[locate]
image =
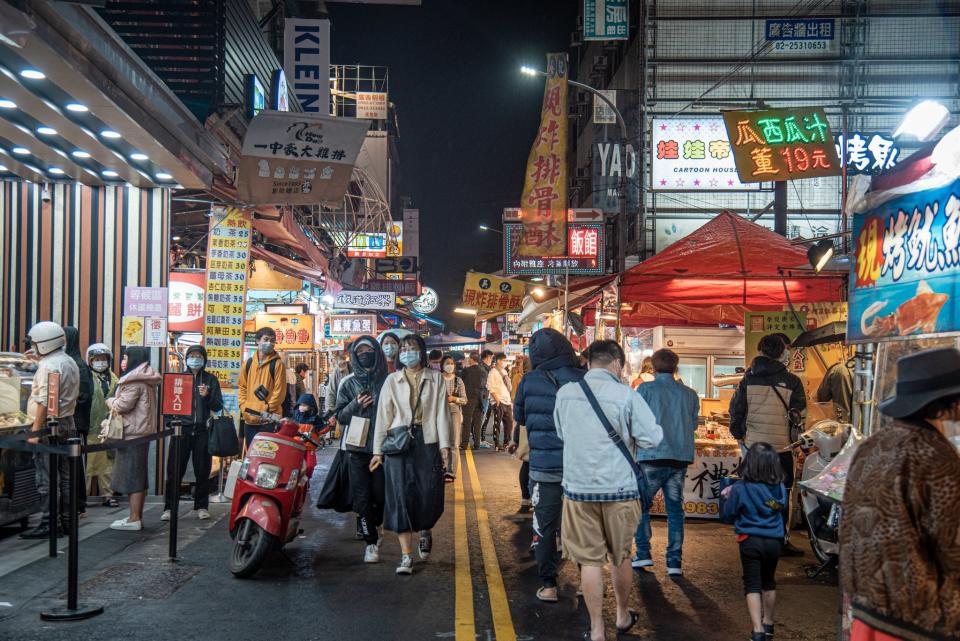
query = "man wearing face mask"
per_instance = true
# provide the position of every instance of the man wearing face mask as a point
(263, 368)
(193, 443)
(767, 401)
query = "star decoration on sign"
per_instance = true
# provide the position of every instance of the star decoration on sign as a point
(663, 127)
(696, 127)
(730, 183)
(696, 183)
(681, 127)
(714, 182)
(663, 181)
(680, 182)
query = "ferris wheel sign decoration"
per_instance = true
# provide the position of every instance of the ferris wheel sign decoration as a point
(427, 302)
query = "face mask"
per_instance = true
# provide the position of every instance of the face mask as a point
(449, 368)
(435, 366)
(266, 348)
(304, 409)
(100, 366)
(367, 359)
(390, 350)
(195, 362)
(409, 359)
(123, 366)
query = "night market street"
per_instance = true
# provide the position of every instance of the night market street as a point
(313, 591)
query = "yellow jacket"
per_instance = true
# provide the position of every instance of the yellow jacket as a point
(253, 374)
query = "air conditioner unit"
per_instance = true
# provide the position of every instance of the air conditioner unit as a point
(601, 63)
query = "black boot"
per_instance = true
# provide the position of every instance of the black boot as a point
(758, 636)
(768, 630)
(42, 531)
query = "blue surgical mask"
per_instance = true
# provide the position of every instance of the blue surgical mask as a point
(389, 350)
(195, 362)
(409, 359)
(266, 348)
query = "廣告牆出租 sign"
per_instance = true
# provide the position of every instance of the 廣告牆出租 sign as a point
(781, 144)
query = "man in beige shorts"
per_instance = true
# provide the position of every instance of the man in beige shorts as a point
(601, 507)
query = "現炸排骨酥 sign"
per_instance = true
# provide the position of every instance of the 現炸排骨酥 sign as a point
(781, 144)
(543, 206)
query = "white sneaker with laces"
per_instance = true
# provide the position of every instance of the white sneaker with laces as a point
(371, 554)
(165, 516)
(124, 524)
(203, 515)
(406, 565)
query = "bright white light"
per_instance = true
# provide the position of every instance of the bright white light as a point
(465, 311)
(109, 173)
(946, 155)
(164, 176)
(3, 168)
(139, 156)
(176, 238)
(32, 74)
(328, 299)
(528, 71)
(76, 107)
(6, 103)
(484, 227)
(109, 133)
(47, 131)
(23, 151)
(55, 171)
(537, 279)
(923, 121)
(80, 153)
(538, 292)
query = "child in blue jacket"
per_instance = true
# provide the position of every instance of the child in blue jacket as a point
(755, 505)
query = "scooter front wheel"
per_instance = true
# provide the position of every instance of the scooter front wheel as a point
(250, 548)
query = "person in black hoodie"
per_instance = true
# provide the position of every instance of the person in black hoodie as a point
(81, 417)
(357, 397)
(193, 444)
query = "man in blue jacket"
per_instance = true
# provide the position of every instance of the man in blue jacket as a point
(555, 363)
(677, 408)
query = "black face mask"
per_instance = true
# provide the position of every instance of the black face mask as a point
(367, 359)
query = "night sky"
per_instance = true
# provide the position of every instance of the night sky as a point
(466, 115)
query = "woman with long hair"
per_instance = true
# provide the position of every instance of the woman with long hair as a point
(456, 399)
(413, 420)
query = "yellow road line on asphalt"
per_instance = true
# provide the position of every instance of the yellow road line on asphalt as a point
(464, 626)
(499, 607)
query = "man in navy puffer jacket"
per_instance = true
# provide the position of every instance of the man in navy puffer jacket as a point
(555, 364)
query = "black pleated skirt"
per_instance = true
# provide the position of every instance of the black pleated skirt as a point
(414, 487)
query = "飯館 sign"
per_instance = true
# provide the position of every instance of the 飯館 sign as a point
(905, 276)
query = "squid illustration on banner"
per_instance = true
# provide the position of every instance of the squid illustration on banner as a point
(543, 207)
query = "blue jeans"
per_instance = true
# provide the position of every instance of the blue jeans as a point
(670, 480)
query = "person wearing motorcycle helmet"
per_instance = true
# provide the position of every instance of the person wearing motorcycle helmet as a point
(100, 464)
(48, 341)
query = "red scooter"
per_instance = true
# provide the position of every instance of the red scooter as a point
(268, 498)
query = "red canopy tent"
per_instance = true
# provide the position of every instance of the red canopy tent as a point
(723, 269)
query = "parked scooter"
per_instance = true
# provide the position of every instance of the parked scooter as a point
(268, 498)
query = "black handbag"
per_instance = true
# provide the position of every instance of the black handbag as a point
(642, 488)
(222, 439)
(400, 438)
(335, 493)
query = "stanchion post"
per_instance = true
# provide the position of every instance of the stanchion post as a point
(53, 505)
(74, 611)
(174, 513)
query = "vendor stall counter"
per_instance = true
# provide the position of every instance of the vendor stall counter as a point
(18, 490)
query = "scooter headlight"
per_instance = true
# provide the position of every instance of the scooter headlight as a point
(267, 476)
(292, 483)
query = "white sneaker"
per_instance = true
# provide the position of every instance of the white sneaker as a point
(372, 554)
(165, 516)
(124, 524)
(674, 572)
(637, 562)
(203, 515)
(406, 565)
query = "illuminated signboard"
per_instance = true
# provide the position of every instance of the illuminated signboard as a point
(255, 94)
(692, 154)
(869, 153)
(781, 144)
(367, 245)
(278, 91)
(585, 252)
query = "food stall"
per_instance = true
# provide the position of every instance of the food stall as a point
(18, 490)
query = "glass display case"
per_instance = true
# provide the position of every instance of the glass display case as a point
(18, 491)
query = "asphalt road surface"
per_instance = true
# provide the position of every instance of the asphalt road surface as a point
(479, 583)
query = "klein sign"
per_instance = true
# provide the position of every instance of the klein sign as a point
(306, 61)
(178, 394)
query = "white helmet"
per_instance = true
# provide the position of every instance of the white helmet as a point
(47, 337)
(99, 349)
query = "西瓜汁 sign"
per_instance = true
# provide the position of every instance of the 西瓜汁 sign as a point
(543, 205)
(905, 273)
(372, 105)
(294, 332)
(868, 153)
(584, 255)
(489, 293)
(692, 154)
(353, 325)
(606, 19)
(178, 394)
(347, 299)
(781, 144)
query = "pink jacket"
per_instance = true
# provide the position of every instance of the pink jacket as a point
(136, 401)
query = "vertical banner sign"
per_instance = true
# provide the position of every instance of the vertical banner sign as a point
(606, 19)
(782, 144)
(178, 394)
(306, 61)
(411, 232)
(228, 259)
(543, 207)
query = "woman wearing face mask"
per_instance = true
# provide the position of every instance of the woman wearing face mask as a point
(414, 398)
(900, 528)
(357, 398)
(193, 443)
(100, 464)
(456, 399)
(391, 350)
(135, 401)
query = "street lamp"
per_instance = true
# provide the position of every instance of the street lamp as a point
(485, 228)
(622, 219)
(465, 311)
(924, 121)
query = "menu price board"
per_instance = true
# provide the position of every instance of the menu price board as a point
(782, 144)
(228, 260)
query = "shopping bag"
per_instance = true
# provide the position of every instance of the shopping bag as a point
(357, 432)
(111, 429)
(222, 439)
(335, 493)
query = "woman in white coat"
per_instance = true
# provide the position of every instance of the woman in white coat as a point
(414, 399)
